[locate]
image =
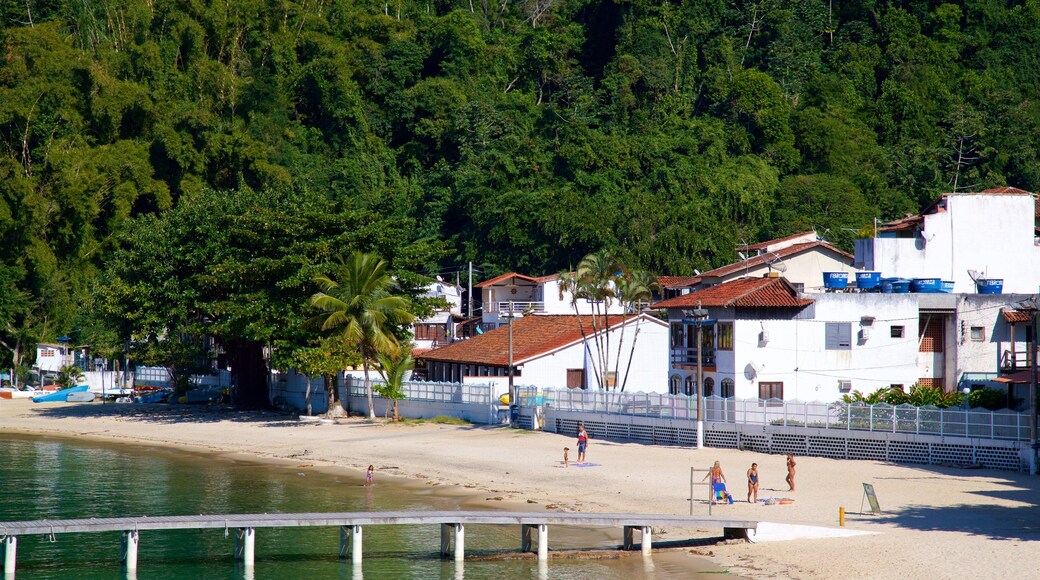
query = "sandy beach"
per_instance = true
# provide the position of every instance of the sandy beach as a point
(937, 522)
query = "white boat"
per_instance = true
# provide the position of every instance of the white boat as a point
(12, 393)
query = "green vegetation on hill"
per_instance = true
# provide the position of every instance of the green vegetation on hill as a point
(521, 134)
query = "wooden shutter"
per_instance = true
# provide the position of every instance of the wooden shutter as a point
(932, 336)
(575, 378)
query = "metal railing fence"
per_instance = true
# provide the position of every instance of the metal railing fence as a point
(881, 417)
(427, 391)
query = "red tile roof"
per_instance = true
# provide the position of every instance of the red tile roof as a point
(763, 259)
(678, 281)
(504, 277)
(532, 336)
(1017, 316)
(767, 243)
(744, 293)
(1005, 191)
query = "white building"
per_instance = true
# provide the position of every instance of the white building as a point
(800, 258)
(991, 234)
(440, 328)
(529, 295)
(550, 351)
(762, 338)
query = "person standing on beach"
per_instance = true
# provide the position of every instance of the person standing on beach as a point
(790, 471)
(752, 483)
(368, 475)
(716, 474)
(583, 442)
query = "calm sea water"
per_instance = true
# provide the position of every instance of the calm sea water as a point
(49, 479)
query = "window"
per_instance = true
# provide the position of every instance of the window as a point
(844, 386)
(725, 336)
(674, 385)
(932, 335)
(839, 336)
(677, 335)
(575, 378)
(768, 390)
(691, 383)
(897, 331)
(709, 386)
(727, 388)
(978, 334)
(611, 379)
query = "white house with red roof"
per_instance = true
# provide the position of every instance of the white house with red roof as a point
(991, 234)
(559, 351)
(529, 295)
(800, 258)
(762, 338)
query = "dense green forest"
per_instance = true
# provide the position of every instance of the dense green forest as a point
(183, 163)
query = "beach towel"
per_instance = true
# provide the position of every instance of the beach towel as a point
(721, 494)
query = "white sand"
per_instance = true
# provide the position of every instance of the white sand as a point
(937, 523)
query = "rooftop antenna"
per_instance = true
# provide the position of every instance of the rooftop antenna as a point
(774, 262)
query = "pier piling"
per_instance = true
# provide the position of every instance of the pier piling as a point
(245, 546)
(129, 549)
(10, 554)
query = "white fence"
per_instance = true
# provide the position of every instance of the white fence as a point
(956, 422)
(426, 400)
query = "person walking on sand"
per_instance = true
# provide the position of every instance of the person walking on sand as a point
(583, 442)
(752, 483)
(790, 471)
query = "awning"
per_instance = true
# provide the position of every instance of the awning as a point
(1016, 377)
(695, 322)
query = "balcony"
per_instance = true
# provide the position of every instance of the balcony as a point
(502, 308)
(688, 356)
(1015, 360)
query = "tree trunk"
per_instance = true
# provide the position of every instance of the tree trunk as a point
(248, 373)
(397, 418)
(307, 397)
(332, 406)
(368, 390)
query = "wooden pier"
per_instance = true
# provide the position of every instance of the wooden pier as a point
(453, 525)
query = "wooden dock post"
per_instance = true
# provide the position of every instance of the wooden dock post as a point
(445, 539)
(10, 555)
(245, 546)
(129, 549)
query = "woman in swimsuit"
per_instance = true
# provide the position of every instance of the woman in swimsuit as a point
(790, 471)
(752, 482)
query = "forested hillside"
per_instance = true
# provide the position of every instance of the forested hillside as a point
(519, 134)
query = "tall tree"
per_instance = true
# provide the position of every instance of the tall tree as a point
(357, 303)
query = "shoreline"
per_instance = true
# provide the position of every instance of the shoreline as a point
(937, 522)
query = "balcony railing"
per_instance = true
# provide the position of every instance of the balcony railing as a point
(688, 356)
(518, 307)
(1013, 360)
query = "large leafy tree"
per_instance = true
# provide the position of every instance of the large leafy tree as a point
(358, 304)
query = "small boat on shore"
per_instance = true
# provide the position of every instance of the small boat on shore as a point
(61, 396)
(12, 393)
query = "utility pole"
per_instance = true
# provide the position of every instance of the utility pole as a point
(1034, 379)
(697, 316)
(469, 292)
(514, 404)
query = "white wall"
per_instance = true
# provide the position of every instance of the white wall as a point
(795, 352)
(993, 234)
(983, 310)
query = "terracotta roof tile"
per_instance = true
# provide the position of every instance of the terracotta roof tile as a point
(761, 260)
(1004, 191)
(743, 292)
(678, 281)
(532, 336)
(505, 277)
(767, 243)
(1017, 316)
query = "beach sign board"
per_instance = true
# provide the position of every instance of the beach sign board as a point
(868, 491)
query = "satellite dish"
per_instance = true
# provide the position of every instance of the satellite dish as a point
(751, 371)
(773, 262)
(975, 275)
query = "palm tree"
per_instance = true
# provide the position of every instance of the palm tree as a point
(635, 291)
(393, 368)
(594, 280)
(360, 307)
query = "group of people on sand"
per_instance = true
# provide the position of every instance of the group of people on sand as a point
(752, 477)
